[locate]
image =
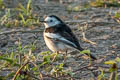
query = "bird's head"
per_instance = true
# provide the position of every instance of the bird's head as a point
(51, 21)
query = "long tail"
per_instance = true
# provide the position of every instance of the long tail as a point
(90, 55)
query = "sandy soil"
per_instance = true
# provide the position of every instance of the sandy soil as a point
(101, 29)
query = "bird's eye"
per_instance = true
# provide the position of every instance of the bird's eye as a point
(51, 20)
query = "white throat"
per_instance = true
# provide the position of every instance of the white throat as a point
(51, 24)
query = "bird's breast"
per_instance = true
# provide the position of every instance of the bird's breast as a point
(55, 45)
(50, 30)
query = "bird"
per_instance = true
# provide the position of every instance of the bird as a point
(59, 37)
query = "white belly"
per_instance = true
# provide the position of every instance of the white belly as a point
(55, 45)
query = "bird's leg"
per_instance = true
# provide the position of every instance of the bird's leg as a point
(54, 57)
(65, 55)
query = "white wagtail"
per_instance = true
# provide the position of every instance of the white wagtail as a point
(59, 37)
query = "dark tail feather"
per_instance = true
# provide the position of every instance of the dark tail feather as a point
(90, 55)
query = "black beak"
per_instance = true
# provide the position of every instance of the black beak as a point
(43, 21)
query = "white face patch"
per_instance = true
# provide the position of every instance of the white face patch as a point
(51, 21)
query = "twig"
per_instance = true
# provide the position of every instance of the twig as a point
(86, 40)
(42, 74)
(45, 75)
(28, 73)
(50, 76)
(22, 31)
(112, 76)
(18, 71)
(74, 21)
(82, 68)
(14, 78)
(38, 69)
(89, 22)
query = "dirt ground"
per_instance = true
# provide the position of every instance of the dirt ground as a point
(101, 29)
